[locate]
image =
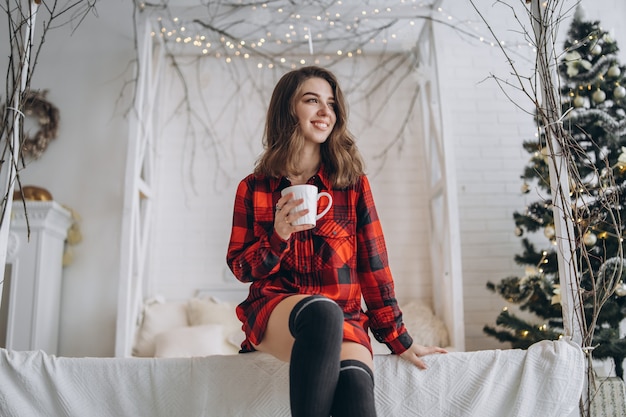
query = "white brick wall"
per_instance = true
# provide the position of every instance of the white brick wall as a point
(194, 205)
(487, 131)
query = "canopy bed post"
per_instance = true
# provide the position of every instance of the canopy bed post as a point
(138, 190)
(559, 177)
(444, 225)
(550, 112)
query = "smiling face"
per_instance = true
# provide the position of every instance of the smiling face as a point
(315, 110)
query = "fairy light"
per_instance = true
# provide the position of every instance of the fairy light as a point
(331, 23)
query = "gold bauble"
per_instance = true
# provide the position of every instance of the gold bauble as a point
(32, 193)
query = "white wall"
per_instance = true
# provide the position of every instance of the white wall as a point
(84, 167)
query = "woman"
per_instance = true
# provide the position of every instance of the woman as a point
(304, 303)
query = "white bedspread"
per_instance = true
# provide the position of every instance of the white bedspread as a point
(546, 380)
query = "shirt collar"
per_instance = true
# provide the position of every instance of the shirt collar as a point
(320, 179)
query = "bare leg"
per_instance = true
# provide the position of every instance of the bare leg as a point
(278, 340)
(356, 351)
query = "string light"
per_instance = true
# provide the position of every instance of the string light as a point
(360, 23)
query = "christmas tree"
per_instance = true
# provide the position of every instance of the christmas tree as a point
(594, 107)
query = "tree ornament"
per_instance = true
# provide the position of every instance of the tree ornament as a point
(572, 59)
(579, 101)
(603, 235)
(598, 96)
(525, 188)
(519, 231)
(614, 71)
(590, 239)
(549, 231)
(621, 161)
(596, 49)
(619, 92)
(620, 289)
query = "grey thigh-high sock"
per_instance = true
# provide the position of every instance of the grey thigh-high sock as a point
(316, 322)
(354, 396)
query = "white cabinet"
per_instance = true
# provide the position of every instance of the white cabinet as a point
(33, 278)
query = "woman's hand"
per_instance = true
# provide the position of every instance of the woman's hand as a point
(283, 218)
(414, 353)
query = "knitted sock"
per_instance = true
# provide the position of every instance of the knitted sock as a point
(354, 396)
(316, 323)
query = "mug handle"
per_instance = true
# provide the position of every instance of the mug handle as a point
(330, 203)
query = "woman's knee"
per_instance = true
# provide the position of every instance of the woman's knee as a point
(317, 314)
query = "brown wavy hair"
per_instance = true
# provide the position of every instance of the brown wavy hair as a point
(283, 140)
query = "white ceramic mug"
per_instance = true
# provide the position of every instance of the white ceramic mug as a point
(311, 197)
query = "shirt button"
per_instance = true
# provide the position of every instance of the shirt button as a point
(334, 232)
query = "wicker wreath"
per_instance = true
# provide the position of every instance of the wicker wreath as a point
(47, 117)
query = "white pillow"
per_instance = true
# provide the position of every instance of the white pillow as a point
(212, 311)
(158, 317)
(187, 342)
(425, 328)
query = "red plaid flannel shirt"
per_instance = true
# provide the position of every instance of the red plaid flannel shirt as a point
(343, 258)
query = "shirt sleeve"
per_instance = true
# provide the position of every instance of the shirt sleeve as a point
(375, 276)
(253, 252)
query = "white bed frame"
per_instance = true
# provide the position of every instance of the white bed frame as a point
(546, 380)
(445, 252)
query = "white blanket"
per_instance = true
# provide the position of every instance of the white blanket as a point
(545, 380)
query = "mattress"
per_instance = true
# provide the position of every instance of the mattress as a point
(545, 380)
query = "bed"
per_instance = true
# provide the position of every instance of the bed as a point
(185, 363)
(545, 380)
